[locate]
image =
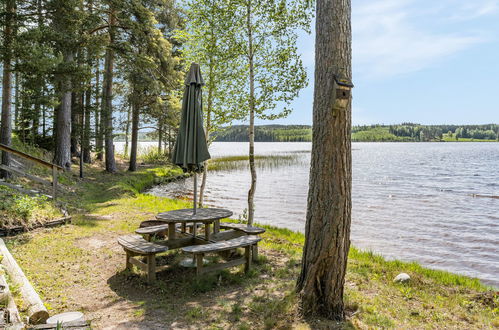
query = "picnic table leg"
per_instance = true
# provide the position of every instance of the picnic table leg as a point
(171, 230)
(184, 227)
(194, 229)
(216, 226)
(128, 264)
(254, 252)
(247, 255)
(199, 263)
(207, 228)
(151, 268)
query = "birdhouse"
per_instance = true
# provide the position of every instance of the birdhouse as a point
(343, 88)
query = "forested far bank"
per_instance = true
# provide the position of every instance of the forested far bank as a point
(406, 132)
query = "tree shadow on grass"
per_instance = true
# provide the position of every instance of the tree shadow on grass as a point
(180, 299)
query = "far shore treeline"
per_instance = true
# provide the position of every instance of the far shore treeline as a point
(405, 132)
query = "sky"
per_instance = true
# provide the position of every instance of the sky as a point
(422, 61)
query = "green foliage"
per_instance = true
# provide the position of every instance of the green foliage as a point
(17, 209)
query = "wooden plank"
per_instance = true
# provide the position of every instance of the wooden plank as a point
(29, 176)
(247, 256)
(137, 244)
(171, 231)
(220, 266)
(207, 229)
(136, 262)
(226, 235)
(152, 230)
(223, 245)
(54, 182)
(199, 263)
(242, 227)
(151, 268)
(32, 158)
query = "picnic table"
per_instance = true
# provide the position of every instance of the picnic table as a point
(205, 216)
(235, 236)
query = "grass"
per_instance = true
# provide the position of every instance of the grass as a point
(80, 267)
(230, 163)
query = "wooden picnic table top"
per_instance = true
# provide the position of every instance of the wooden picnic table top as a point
(206, 215)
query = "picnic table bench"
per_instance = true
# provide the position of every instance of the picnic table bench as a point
(135, 245)
(248, 230)
(148, 232)
(199, 251)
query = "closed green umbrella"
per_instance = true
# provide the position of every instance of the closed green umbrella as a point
(191, 149)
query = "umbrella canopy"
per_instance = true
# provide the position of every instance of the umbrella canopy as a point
(191, 149)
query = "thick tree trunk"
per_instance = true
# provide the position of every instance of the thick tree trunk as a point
(62, 155)
(252, 190)
(75, 123)
(6, 125)
(135, 134)
(107, 105)
(327, 229)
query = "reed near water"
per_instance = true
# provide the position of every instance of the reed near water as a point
(230, 163)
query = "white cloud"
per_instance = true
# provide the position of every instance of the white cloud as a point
(472, 10)
(390, 38)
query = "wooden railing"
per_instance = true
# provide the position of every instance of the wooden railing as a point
(39, 161)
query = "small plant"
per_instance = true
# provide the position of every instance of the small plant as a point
(243, 218)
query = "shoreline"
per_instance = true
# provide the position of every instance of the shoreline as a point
(115, 205)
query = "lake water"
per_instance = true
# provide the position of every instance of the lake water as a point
(411, 201)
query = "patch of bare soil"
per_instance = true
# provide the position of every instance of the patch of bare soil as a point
(117, 299)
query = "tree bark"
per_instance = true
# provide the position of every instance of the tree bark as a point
(160, 135)
(135, 132)
(99, 140)
(87, 158)
(6, 125)
(62, 154)
(127, 129)
(251, 192)
(107, 105)
(327, 229)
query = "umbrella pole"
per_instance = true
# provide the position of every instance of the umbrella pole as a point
(195, 191)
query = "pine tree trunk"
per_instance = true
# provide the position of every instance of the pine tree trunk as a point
(107, 105)
(99, 140)
(251, 192)
(160, 135)
(87, 158)
(135, 133)
(75, 125)
(127, 129)
(6, 125)
(327, 228)
(62, 155)
(16, 101)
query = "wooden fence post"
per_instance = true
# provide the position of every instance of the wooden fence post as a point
(54, 183)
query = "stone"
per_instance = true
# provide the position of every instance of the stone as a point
(402, 278)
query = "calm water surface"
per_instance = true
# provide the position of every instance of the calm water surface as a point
(411, 201)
